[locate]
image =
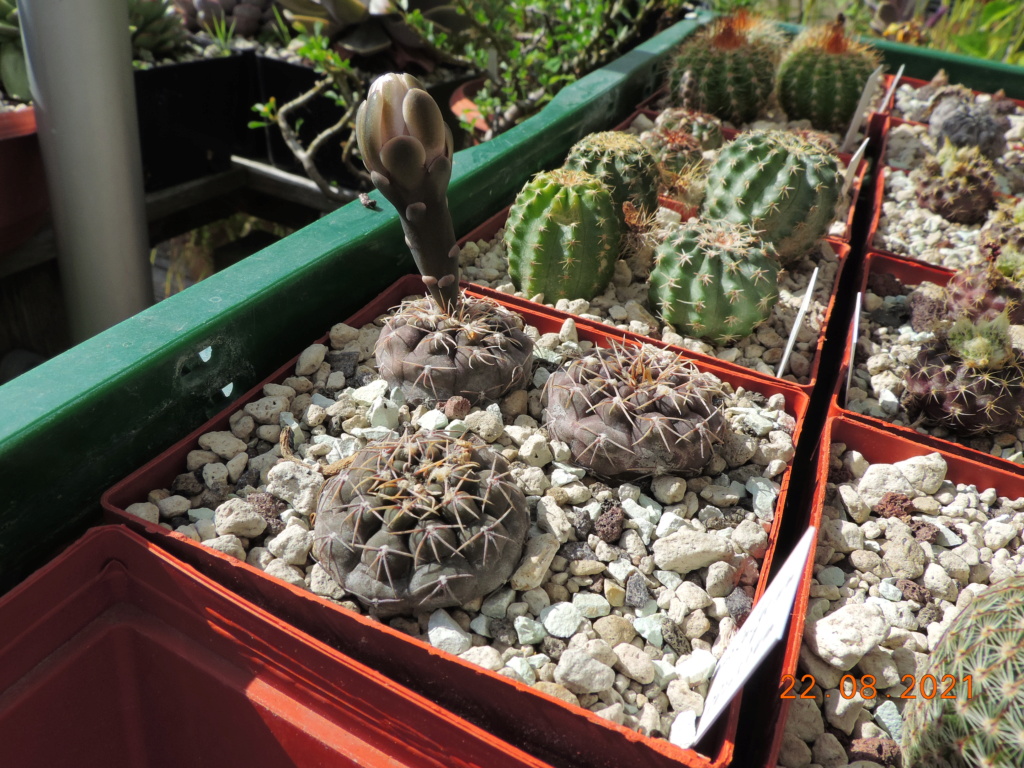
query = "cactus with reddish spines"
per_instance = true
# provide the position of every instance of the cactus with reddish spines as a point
(706, 128)
(675, 151)
(822, 76)
(958, 184)
(714, 280)
(563, 236)
(725, 69)
(784, 187)
(983, 292)
(423, 522)
(1003, 230)
(631, 412)
(981, 721)
(970, 379)
(623, 163)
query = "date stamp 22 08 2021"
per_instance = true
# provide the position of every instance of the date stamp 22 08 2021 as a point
(865, 686)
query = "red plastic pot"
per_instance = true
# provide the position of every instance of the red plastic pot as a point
(877, 446)
(24, 202)
(543, 725)
(887, 107)
(117, 654)
(465, 109)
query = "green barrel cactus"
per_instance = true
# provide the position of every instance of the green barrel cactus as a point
(714, 280)
(724, 70)
(980, 662)
(675, 151)
(563, 235)
(707, 129)
(622, 162)
(822, 76)
(785, 187)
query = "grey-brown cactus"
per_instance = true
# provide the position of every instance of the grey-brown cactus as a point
(423, 522)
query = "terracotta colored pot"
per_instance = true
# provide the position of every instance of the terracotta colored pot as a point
(24, 203)
(464, 108)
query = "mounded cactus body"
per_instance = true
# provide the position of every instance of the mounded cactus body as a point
(562, 235)
(969, 380)
(707, 129)
(1004, 230)
(675, 151)
(983, 723)
(630, 412)
(623, 163)
(958, 184)
(822, 76)
(782, 186)
(966, 124)
(724, 70)
(479, 351)
(984, 292)
(423, 522)
(714, 280)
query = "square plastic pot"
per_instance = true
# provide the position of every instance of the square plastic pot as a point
(888, 108)
(541, 724)
(877, 446)
(117, 654)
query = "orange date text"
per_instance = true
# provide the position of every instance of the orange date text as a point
(866, 686)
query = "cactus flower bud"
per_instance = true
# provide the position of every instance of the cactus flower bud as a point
(407, 147)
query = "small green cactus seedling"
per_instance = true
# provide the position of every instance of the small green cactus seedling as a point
(784, 187)
(969, 380)
(981, 722)
(958, 184)
(714, 280)
(563, 236)
(822, 76)
(707, 129)
(725, 70)
(622, 162)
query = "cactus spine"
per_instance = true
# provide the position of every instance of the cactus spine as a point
(714, 280)
(563, 235)
(622, 162)
(707, 129)
(958, 184)
(784, 187)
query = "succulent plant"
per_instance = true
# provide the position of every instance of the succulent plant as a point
(630, 412)
(970, 379)
(13, 67)
(965, 124)
(623, 163)
(157, 31)
(983, 723)
(439, 347)
(707, 129)
(784, 187)
(725, 69)
(983, 292)
(423, 522)
(958, 184)
(245, 18)
(1003, 230)
(714, 280)
(563, 235)
(674, 150)
(822, 76)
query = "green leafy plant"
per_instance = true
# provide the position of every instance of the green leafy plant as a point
(992, 29)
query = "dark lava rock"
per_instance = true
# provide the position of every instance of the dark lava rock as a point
(577, 550)
(457, 407)
(913, 591)
(502, 631)
(343, 361)
(883, 284)
(928, 615)
(581, 523)
(553, 647)
(677, 640)
(269, 507)
(739, 604)
(924, 531)
(893, 505)
(188, 484)
(608, 526)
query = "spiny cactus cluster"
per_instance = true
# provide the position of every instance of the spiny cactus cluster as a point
(674, 151)
(822, 76)
(785, 187)
(423, 522)
(966, 124)
(621, 162)
(727, 69)
(707, 129)
(479, 351)
(630, 412)
(562, 235)
(970, 379)
(983, 292)
(958, 184)
(1003, 231)
(983, 652)
(714, 280)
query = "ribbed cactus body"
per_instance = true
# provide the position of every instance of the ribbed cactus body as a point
(784, 187)
(725, 71)
(675, 151)
(1003, 231)
(707, 129)
(623, 163)
(822, 76)
(958, 184)
(563, 235)
(714, 280)
(980, 722)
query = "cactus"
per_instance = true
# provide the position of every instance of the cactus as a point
(966, 124)
(563, 235)
(631, 412)
(623, 163)
(1003, 230)
(969, 380)
(784, 187)
(438, 347)
(724, 69)
(707, 129)
(714, 280)
(674, 151)
(982, 722)
(156, 29)
(822, 76)
(422, 522)
(982, 292)
(244, 19)
(958, 184)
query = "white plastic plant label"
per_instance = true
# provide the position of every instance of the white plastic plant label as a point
(862, 106)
